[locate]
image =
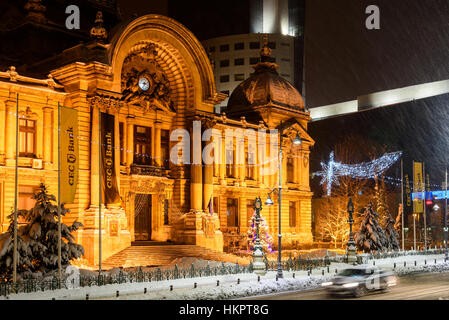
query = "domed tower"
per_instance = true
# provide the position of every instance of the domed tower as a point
(270, 101)
(266, 93)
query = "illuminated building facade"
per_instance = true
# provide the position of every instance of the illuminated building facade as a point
(152, 77)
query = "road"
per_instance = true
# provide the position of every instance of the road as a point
(416, 287)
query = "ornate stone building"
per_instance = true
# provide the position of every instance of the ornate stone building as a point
(154, 77)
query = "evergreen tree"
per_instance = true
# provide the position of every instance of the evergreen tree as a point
(391, 234)
(371, 236)
(266, 240)
(37, 240)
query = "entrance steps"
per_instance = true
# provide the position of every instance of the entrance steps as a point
(156, 255)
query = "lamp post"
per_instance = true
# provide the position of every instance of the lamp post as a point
(445, 219)
(296, 141)
(259, 265)
(351, 248)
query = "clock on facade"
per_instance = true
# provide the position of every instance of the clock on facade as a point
(144, 84)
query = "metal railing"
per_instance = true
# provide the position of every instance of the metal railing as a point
(34, 285)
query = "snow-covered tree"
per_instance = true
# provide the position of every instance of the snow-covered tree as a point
(37, 240)
(266, 240)
(391, 234)
(371, 236)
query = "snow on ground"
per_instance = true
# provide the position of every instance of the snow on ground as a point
(183, 289)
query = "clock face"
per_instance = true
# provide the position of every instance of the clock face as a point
(144, 84)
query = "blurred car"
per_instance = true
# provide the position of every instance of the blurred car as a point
(359, 280)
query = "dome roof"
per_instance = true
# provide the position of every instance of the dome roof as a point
(264, 87)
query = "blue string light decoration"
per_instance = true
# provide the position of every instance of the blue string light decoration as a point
(365, 170)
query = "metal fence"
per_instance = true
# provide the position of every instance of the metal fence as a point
(34, 285)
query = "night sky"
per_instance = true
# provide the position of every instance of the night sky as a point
(344, 59)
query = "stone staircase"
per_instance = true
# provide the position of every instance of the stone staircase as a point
(164, 255)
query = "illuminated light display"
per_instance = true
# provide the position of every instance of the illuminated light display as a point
(365, 170)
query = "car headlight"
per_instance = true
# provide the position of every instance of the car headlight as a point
(351, 285)
(326, 284)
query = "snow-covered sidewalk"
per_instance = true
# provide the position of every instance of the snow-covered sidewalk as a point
(232, 286)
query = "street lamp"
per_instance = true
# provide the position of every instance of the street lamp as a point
(296, 141)
(351, 248)
(259, 265)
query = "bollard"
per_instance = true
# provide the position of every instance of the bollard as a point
(415, 263)
(435, 261)
(425, 262)
(276, 278)
(405, 263)
(327, 269)
(171, 287)
(308, 273)
(87, 296)
(394, 265)
(293, 275)
(374, 262)
(258, 278)
(218, 283)
(336, 271)
(117, 294)
(238, 281)
(194, 285)
(145, 290)
(322, 273)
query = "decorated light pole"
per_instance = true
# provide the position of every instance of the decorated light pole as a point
(259, 265)
(351, 248)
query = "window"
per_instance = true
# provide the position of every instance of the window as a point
(254, 60)
(249, 212)
(239, 77)
(272, 45)
(290, 170)
(165, 148)
(224, 78)
(122, 144)
(25, 201)
(250, 165)
(166, 216)
(239, 46)
(230, 163)
(292, 214)
(224, 47)
(212, 49)
(224, 63)
(254, 45)
(142, 145)
(239, 62)
(215, 205)
(232, 213)
(27, 139)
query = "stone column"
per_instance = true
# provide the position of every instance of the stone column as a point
(95, 158)
(40, 136)
(240, 150)
(10, 132)
(284, 168)
(196, 174)
(130, 143)
(2, 131)
(153, 144)
(208, 182)
(48, 128)
(157, 144)
(223, 161)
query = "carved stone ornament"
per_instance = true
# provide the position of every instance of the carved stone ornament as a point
(141, 67)
(105, 104)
